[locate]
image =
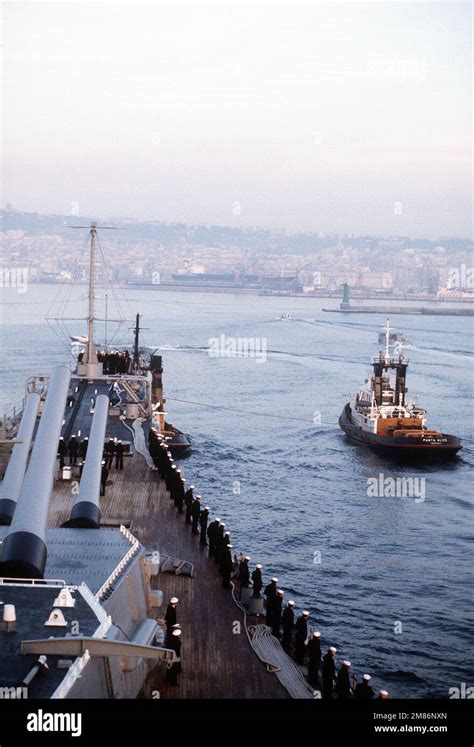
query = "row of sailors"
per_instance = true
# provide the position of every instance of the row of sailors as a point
(114, 362)
(280, 620)
(77, 450)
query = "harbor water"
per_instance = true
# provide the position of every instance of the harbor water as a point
(387, 579)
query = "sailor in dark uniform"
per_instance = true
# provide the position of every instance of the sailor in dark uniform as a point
(195, 513)
(383, 695)
(314, 658)
(257, 580)
(301, 636)
(363, 690)
(188, 502)
(83, 447)
(174, 670)
(203, 517)
(270, 593)
(176, 487)
(222, 545)
(109, 452)
(180, 491)
(220, 531)
(226, 567)
(170, 478)
(211, 535)
(276, 614)
(73, 448)
(62, 451)
(170, 471)
(288, 621)
(343, 682)
(329, 672)
(171, 617)
(222, 549)
(104, 473)
(244, 572)
(119, 449)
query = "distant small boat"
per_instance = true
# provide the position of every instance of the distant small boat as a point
(286, 316)
(82, 339)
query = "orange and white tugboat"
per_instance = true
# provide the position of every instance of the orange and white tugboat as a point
(379, 415)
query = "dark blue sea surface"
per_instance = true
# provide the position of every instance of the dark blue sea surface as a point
(393, 588)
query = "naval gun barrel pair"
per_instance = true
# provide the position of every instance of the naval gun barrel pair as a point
(25, 492)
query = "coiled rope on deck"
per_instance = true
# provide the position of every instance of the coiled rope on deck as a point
(270, 652)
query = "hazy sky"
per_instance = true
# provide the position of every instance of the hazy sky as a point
(324, 116)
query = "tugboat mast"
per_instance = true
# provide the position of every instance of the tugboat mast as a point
(387, 340)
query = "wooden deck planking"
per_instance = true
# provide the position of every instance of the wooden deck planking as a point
(216, 662)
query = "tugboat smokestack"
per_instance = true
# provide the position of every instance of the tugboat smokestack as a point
(24, 549)
(15, 472)
(86, 511)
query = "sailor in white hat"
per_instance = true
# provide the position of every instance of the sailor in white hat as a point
(271, 595)
(175, 669)
(188, 502)
(203, 517)
(276, 615)
(363, 690)
(343, 682)
(257, 582)
(195, 514)
(329, 672)
(288, 621)
(104, 473)
(314, 658)
(171, 617)
(244, 573)
(226, 564)
(301, 637)
(212, 535)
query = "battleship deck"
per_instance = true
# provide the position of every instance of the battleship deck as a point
(217, 663)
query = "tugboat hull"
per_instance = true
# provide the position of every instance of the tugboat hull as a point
(178, 442)
(421, 446)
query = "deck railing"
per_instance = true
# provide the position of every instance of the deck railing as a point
(120, 567)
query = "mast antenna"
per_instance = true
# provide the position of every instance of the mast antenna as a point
(91, 365)
(387, 340)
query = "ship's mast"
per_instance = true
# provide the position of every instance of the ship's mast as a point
(90, 355)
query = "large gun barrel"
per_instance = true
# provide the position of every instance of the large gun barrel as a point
(86, 510)
(15, 472)
(24, 549)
